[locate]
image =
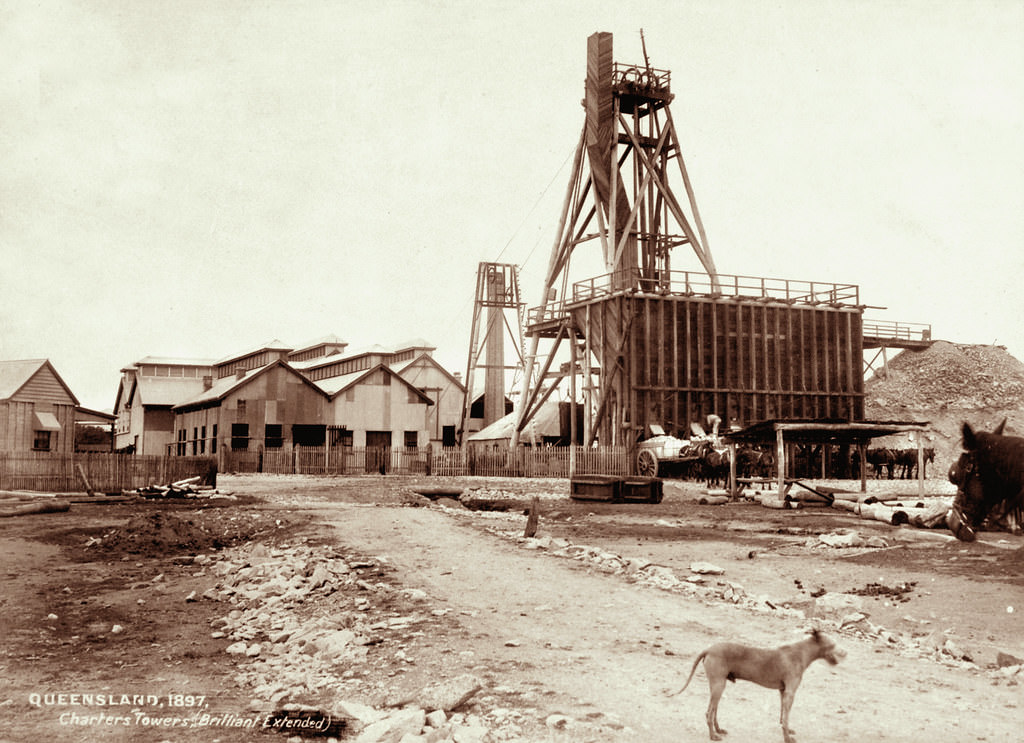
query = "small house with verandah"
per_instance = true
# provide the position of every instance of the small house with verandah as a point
(37, 409)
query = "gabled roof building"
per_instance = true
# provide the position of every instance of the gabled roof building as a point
(37, 409)
(274, 396)
(146, 395)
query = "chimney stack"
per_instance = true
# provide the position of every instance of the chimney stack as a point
(239, 373)
(207, 382)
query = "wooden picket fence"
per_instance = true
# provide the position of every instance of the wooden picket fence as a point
(322, 460)
(106, 472)
(527, 461)
(524, 461)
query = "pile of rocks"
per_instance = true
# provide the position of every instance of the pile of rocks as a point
(304, 620)
(951, 375)
(701, 583)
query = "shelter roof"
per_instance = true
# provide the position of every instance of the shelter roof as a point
(836, 431)
(88, 415)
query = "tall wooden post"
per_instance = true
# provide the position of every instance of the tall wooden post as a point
(780, 461)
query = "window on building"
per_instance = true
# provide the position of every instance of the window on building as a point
(240, 407)
(239, 435)
(411, 439)
(309, 434)
(195, 440)
(273, 436)
(42, 441)
(213, 440)
(182, 435)
(448, 436)
(202, 440)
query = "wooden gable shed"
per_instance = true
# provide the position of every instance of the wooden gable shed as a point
(378, 408)
(146, 396)
(37, 409)
(272, 406)
(445, 416)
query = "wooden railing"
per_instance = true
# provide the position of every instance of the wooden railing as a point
(891, 330)
(694, 283)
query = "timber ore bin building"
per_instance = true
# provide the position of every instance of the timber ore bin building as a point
(685, 356)
(689, 357)
(655, 345)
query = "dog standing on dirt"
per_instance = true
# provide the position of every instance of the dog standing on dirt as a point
(781, 668)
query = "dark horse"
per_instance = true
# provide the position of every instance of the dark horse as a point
(989, 476)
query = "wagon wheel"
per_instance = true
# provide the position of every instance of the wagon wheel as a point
(647, 463)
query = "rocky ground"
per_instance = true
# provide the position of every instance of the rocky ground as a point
(359, 609)
(947, 384)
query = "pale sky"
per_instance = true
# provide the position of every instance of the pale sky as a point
(197, 177)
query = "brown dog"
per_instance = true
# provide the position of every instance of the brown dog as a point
(781, 668)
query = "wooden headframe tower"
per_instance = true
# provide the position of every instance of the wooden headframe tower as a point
(647, 343)
(497, 322)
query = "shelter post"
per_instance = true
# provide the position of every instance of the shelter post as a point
(862, 451)
(780, 461)
(733, 492)
(920, 465)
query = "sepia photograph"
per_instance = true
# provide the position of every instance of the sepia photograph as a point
(477, 371)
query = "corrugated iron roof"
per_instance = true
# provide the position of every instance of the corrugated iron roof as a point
(46, 421)
(414, 343)
(335, 385)
(220, 388)
(227, 385)
(274, 345)
(546, 422)
(327, 340)
(172, 361)
(167, 391)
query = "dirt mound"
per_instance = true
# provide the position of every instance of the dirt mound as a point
(951, 375)
(946, 385)
(167, 533)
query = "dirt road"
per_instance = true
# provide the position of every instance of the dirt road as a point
(597, 648)
(568, 646)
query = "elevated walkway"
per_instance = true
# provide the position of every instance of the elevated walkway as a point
(883, 334)
(880, 335)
